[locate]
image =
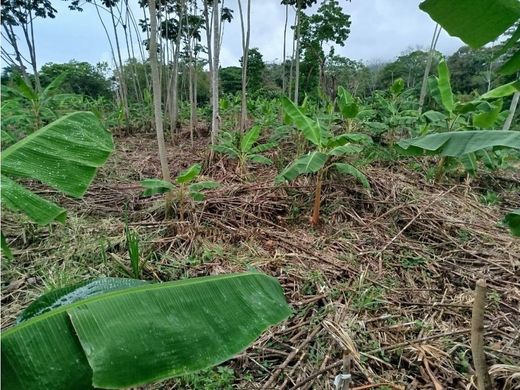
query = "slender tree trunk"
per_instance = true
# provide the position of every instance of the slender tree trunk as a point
(512, 111)
(156, 86)
(122, 81)
(195, 99)
(174, 91)
(297, 56)
(191, 97)
(28, 33)
(135, 78)
(246, 30)
(208, 23)
(214, 80)
(284, 79)
(11, 38)
(291, 69)
(435, 38)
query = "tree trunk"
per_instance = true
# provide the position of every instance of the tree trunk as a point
(512, 111)
(29, 40)
(208, 23)
(246, 30)
(284, 79)
(291, 68)
(11, 37)
(214, 79)
(297, 57)
(424, 85)
(156, 86)
(191, 98)
(122, 82)
(174, 91)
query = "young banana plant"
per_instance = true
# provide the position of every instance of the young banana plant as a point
(185, 186)
(327, 154)
(465, 140)
(244, 148)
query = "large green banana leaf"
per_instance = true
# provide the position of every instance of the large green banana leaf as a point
(478, 22)
(310, 163)
(248, 139)
(347, 104)
(136, 335)
(310, 128)
(444, 85)
(459, 143)
(502, 91)
(64, 155)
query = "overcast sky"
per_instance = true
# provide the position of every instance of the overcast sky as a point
(380, 31)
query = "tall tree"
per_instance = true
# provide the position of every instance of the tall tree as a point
(300, 6)
(215, 118)
(246, 31)
(329, 25)
(21, 14)
(157, 101)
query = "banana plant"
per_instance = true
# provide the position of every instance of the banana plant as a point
(244, 148)
(121, 333)
(328, 152)
(65, 155)
(472, 117)
(186, 184)
(37, 105)
(483, 112)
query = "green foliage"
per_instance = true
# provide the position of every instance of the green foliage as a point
(482, 112)
(460, 143)
(231, 80)
(81, 78)
(328, 151)
(477, 22)
(185, 183)
(512, 220)
(64, 155)
(346, 103)
(26, 110)
(244, 147)
(124, 337)
(409, 67)
(255, 70)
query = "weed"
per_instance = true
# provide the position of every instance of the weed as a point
(490, 198)
(368, 298)
(220, 378)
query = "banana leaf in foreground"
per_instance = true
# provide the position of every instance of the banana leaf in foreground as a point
(141, 334)
(65, 155)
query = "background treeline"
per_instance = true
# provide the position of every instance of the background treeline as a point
(472, 71)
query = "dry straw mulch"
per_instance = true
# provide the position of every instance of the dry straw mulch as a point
(382, 289)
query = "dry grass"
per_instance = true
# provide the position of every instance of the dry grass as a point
(386, 279)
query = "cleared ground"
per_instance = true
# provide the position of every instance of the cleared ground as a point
(386, 279)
